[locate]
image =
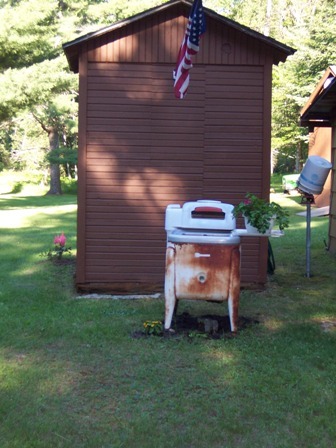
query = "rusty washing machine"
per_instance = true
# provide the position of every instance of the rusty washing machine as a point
(202, 256)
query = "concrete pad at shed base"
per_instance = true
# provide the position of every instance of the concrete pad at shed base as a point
(119, 297)
(315, 212)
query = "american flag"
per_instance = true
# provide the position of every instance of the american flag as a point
(189, 47)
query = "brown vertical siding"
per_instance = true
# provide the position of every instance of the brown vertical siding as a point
(145, 149)
(141, 149)
(332, 222)
(234, 131)
(320, 145)
(234, 161)
(156, 41)
(82, 144)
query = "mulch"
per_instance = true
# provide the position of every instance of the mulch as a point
(210, 326)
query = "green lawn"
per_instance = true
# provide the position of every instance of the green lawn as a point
(72, 375)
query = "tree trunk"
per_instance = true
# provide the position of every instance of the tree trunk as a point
(55, 174)
(298, 157)
(268, 18)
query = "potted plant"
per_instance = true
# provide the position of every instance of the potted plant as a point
(261, 215)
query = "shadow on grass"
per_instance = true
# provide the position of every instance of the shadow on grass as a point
(125, 389)
(72, 375)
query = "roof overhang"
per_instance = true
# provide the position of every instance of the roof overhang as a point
(319, 111)
(71, 49)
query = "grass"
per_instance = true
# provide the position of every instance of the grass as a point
(72, 375)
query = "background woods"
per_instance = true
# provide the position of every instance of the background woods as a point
(38, 108)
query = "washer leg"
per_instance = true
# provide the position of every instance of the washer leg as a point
(170, 306)
(234, 292)
(169, 287)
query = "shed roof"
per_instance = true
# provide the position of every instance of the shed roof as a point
(317, 112)
(71, 49)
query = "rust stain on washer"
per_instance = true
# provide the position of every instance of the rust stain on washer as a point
(206, 277)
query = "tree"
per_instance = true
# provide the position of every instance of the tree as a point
(55, 120)
(34, 75)
(33, 72)
(49, 81)
(309, 27)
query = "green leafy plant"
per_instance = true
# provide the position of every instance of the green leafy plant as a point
(153, 327)
(259, 213)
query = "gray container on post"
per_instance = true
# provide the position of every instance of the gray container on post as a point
(314, 175)
(311, 182)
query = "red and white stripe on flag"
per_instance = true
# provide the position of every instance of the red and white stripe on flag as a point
(189, 47)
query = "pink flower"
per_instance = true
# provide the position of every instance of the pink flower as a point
(247, 201)
(60, 239)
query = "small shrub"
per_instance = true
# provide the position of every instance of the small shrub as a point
(69, 186)
(17, 187)
(59, 248)
(153, 327)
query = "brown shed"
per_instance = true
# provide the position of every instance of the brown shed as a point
(319, 145)
(141, 149)
(319, 115)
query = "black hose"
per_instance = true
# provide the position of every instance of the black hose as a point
(270, 260)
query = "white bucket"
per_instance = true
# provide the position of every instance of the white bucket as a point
(314, 175)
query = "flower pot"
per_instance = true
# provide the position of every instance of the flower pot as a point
(254, 231)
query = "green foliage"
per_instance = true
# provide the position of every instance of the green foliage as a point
(259, 213)
(69, 186)
(309, 28)
(312, 32)
(17, 187)
(4, 153)
(32, 182)
(21, 89)
(23, 143)
(122, 9)
(153, 327)
(63, 155)
(34, 74)
(27, 33)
